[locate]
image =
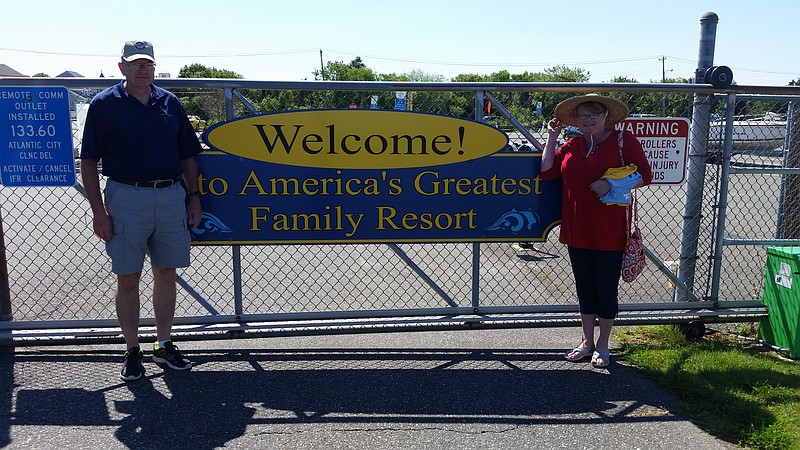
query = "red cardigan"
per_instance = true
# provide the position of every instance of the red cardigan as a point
(586, 222)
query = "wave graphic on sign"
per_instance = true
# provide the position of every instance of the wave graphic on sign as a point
(211, 223)
(515, 221)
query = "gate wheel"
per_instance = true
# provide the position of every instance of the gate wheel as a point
(694, 330)
(719, 76)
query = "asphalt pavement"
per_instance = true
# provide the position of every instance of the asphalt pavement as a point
(485, 389)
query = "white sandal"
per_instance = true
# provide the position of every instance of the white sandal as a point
(580, 353)
(601, 359)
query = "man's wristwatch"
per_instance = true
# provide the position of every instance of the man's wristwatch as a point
(194, 194)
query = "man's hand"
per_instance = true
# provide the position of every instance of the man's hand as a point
(195, 212)
(103, 226)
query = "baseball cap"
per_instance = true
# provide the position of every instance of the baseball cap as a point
(134, 50)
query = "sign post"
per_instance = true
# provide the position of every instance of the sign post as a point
(36, 137)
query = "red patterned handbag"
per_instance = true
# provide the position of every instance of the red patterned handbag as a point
(633, 258)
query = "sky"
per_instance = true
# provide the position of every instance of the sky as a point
(282, 40)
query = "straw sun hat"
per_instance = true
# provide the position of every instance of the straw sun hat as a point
(617, 110)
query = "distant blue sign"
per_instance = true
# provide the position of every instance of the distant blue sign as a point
(36, 137)
(400, 101)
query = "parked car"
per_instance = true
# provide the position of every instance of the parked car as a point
(570, 132)
(197, 123)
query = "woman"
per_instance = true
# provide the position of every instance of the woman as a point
(593, 231)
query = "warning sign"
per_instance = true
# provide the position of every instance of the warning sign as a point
(665, 141)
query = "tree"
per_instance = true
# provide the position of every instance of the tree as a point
(560, 74)
(566, 74)
(356, 70)
(425, 77)
(523, 105)
(41, 75)
(208, 103)
(282, 100)
(357, 63)
(422, 101)
(660, 104)
(469, 78)
(678, 105)
(201, 71)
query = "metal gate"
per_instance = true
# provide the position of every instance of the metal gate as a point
(706, 237)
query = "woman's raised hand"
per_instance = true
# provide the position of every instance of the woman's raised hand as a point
(554, 126)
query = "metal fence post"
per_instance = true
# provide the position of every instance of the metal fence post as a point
(722, 201)
(5, 290)
(788, 226)
(696, 166)
(476, 247)
(236, 250)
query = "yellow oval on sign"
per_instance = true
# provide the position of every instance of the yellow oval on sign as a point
(357, 139)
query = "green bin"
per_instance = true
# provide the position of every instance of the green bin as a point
(782, 297)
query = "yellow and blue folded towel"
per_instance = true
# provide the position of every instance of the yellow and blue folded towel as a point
(622, 180)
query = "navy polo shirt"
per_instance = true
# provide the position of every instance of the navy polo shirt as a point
(135, 141)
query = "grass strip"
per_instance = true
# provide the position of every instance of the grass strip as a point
(734, 389)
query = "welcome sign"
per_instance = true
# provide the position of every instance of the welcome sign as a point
(345, 176)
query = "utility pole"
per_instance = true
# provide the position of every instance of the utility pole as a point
(663, 80)
(321, 65)
(322, 72)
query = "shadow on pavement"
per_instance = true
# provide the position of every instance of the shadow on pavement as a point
(227, 391)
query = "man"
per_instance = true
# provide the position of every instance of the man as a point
(142, 136)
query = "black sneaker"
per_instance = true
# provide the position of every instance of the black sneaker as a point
(132, 368)
(169, 355)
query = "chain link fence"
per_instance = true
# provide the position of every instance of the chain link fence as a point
(61, 286)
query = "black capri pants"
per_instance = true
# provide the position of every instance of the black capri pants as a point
(597, 275)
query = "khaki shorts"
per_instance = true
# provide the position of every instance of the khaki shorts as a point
(147, 221)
